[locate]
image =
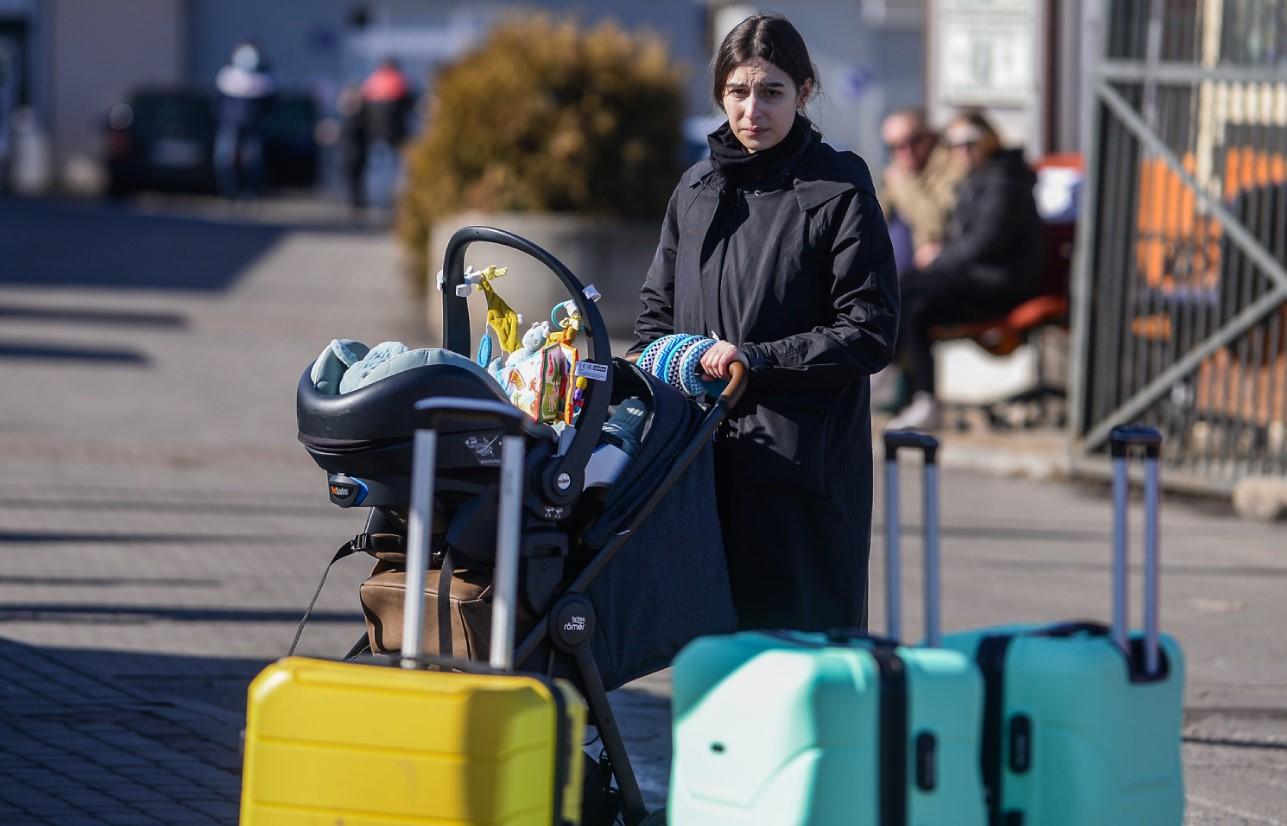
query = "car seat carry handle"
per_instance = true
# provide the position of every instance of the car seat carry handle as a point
(1121, 439)
(561, 480)
(429, 413)
(928, 445)
(455, 331)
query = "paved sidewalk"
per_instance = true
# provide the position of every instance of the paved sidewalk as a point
(161, 530)
(78, 749)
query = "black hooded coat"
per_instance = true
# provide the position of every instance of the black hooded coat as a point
(994, 233)
(793, 263)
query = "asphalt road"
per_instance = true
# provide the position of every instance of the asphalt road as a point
(159, 522)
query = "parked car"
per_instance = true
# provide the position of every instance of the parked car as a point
(163, 139)
(160, 139)
(290, 143)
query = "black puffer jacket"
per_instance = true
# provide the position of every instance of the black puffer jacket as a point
(994, 230)
(799, 272)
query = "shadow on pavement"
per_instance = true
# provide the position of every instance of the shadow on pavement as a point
(50, 243)
(1172, 568)
(114, 318)
(108, 581)
(10, 537)
(63, 353)
(217, 681)
(77, 613)
(153, 505)
(82, 745)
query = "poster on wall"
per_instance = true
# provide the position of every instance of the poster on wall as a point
(985, 52)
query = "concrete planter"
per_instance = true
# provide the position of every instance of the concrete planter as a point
(612, 255)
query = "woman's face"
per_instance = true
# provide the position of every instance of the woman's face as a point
(965, 142)
(761, 101)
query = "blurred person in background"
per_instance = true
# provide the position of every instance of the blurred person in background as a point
(353, 145)
(776, 246)
(245, 86)
(918, 188)
(5, 151)
(387, 101)
(989, 263)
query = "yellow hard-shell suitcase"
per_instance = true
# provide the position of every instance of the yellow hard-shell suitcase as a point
(375, 744)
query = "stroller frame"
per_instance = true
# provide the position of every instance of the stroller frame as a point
(568, 622)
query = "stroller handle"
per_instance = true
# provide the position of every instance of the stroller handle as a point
(738, 376)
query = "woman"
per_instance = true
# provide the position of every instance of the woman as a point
(776, 246)
(990, 261)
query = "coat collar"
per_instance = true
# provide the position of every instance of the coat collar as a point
(806, 174)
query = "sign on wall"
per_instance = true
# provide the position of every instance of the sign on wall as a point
(985, 52)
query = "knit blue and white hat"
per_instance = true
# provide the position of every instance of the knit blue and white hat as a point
(676, 359)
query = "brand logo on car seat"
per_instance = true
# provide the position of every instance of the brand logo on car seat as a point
(574, 623)
(484, 449)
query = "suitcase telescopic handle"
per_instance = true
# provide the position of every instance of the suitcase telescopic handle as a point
(509, 420)
(1121, 440)
(928, 446)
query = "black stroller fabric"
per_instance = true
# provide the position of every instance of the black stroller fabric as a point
(668, 584)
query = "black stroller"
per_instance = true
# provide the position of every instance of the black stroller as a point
(613, 581)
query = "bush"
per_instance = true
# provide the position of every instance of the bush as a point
(546, 116)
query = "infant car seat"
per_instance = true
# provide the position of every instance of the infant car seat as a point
(363, 438)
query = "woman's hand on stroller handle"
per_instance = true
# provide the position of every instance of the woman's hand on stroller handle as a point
(717, 360)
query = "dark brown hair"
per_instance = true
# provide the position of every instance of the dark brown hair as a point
(989, 139)
(767, 37)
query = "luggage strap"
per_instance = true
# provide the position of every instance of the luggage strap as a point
(991, 661)
(358, 543)
(444, 603)
(893, 735)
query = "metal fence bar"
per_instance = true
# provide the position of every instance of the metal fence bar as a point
(1111, 296)
(1182, 338)
(1237, 233)
(1271, 464)
(1168, 71)
(1151, 392)
(1087, 239)
(1180, 277)
(1237, 325)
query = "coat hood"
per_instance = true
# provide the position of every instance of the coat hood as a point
(817, 173)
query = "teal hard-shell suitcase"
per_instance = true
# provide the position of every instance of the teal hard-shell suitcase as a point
(796, 729)
(1082, 722)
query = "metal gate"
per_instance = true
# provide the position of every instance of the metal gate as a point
(1180, 314)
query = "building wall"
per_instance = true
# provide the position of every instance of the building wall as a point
(93, 54)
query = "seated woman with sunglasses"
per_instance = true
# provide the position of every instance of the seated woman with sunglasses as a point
(990, 261)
